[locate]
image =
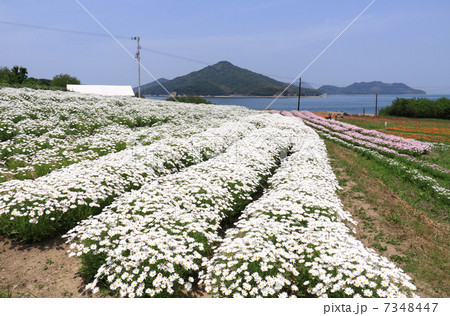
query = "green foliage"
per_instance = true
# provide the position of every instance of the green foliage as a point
(37, 83)
(42, 169)
(7, 131)
(91, 263)
(120, 145)
(18, 75)
(400, 182)
(4, 74)
(5, 293)
(62, 80)
(418, 108)
(190, 99)
(400, 259)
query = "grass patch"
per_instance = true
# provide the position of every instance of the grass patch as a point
(401, 215)
(5, 293)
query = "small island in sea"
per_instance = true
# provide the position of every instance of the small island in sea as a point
(371, 88)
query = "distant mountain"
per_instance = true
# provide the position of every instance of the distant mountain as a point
(304, 85)
(224, 78)
(371, 88)
(151, 84)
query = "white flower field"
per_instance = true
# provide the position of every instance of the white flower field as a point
(160, 198)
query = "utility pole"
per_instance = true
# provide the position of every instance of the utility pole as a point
(376, 103)
(299, 92)
(138, 59)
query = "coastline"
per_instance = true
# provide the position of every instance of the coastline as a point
(355, 104)
(262, 96)
(245, 96)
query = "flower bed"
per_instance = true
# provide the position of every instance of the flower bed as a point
(355, 138)
(293, 242)
(422, 137)
(43, 130)
(35, 209)
(366, 136)
(424, 181)
(421, 129)
(152, 242)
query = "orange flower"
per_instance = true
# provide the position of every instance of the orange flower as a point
(419, 129)
(430, 138)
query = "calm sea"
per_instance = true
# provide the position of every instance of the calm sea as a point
(353, 104)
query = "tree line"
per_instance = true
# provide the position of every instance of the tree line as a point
(418, 108)
(17, 76)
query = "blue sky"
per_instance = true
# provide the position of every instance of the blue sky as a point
(394, 41)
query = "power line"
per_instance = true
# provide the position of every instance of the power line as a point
(122, 37)
(62, 30)
(176, 56)
(123, 47)
(322, 52)
(39, 27)
(59, 30)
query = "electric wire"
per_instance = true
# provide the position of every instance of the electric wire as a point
(144, 48)
(321, 53)
(53, 29)
(123, 47)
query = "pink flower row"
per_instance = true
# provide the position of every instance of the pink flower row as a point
(371, 136)
(358, 138)
(348, 137)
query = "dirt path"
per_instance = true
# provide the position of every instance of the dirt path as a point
(44, 270)
(39, 270)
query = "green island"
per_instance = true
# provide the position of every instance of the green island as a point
(225, 79)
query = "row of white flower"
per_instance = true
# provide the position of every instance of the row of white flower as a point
(35, 112)
(59, 152)
(416, 176)
(35, 208)
(52, 129)
(293, 241)
(156, 238)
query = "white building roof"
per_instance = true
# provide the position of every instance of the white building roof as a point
(101, 89)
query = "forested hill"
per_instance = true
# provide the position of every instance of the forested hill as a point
(224, 79)
(371, 88)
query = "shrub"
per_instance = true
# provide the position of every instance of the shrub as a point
(418, 108)
(62, 80)
(190, 99)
